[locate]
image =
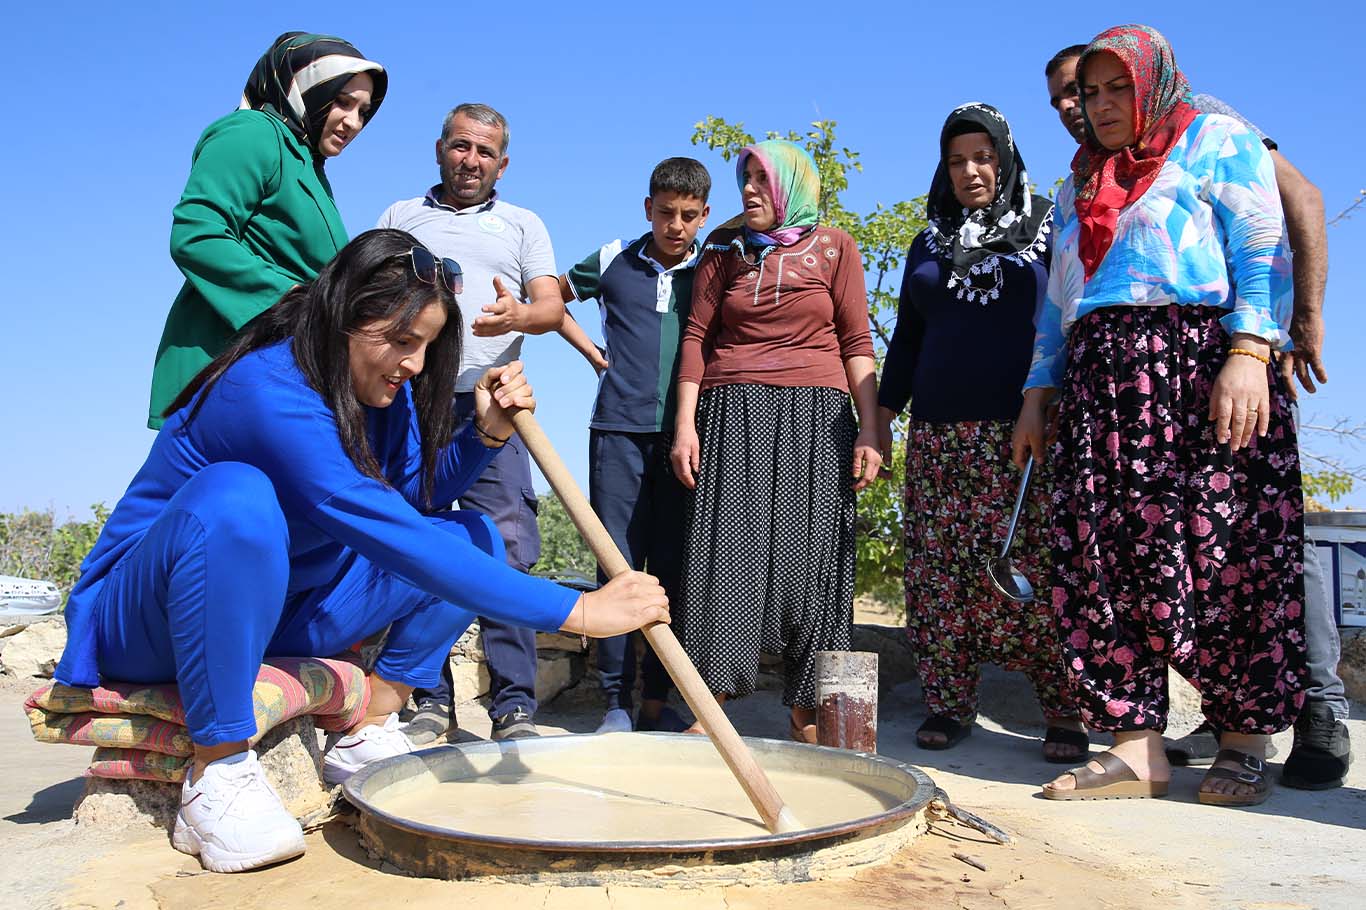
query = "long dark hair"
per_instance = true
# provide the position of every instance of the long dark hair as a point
(370, 279)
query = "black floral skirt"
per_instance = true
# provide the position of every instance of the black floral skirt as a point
(1168, 549)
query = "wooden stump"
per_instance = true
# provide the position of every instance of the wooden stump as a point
(846, 700)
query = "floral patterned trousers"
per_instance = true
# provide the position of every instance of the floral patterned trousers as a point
(1167, 548)
(960, 488)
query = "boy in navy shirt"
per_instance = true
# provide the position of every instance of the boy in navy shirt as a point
(643, 289)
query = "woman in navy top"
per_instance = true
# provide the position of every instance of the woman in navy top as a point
(974, 278)
(286, 508)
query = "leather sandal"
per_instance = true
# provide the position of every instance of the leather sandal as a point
(1064, 736)
(1251, 771)
(953, 731)
(1117, 781)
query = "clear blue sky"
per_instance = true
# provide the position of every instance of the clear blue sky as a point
(106, 102)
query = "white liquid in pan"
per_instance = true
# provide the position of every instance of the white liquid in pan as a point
(570, 797)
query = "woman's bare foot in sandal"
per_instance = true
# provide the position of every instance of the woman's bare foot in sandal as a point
(1230, 787)
(802, 725)
(1141, 750)
(1063, 752)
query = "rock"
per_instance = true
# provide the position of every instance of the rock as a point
(555, 672)
(35, 650)
(1352, 666)
(560, 641)
(289, 754)
(469, 646)
(469, 681)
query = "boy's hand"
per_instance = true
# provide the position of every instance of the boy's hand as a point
(686, 456)
(500, 317)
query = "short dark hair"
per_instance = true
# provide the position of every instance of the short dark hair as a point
(370, 279)
(1061, 57)
(684, 176)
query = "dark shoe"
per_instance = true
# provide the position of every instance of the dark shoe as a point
(430, 722)
(516, 724)
(953, 731)
(668, 721)
(1322, 752)
(1196, 748)
(1251, 771)
(1062, 736)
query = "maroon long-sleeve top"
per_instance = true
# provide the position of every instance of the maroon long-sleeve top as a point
(792, 319)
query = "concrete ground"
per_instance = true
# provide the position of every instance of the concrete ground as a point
(1298, 850)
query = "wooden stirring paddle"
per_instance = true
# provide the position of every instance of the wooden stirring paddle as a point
(777, 817)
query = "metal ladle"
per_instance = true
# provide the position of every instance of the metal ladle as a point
(1009, 580)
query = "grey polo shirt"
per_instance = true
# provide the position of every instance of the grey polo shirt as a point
(492, 239)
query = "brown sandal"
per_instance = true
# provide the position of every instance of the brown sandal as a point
(1117, 781)
(1252, 771)
(800, 734)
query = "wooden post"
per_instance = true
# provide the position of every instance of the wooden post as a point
(846, 700)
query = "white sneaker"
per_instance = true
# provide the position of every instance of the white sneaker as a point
(232, 819)
(354, 751)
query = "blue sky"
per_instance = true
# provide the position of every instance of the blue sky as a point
(107, 100)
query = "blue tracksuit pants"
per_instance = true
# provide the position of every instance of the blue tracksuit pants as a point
(204, 596)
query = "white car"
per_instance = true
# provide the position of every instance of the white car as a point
(26, 597)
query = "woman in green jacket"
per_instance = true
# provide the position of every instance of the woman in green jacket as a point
(257, 216)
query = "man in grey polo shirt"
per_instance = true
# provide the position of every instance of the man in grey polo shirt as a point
(511, 288)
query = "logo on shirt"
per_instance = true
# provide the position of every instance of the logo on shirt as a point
(490, 223)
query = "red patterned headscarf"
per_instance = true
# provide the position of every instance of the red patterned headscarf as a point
(1108, 181)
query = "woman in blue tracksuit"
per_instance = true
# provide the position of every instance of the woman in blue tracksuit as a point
(285, 509)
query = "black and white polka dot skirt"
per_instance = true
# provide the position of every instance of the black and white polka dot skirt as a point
(769, 565)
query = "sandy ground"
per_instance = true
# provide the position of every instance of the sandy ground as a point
(1298, 850)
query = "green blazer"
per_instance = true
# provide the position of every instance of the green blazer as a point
(256, 218)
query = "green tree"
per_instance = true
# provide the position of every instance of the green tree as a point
(34, 545)
(883, 235)
(562, 548)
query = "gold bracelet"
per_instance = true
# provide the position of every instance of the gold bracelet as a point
(1246, 353)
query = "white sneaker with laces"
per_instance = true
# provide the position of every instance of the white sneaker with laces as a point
(232, 819)
(354, 751)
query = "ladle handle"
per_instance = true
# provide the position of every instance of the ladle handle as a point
(695, 692)
(1019, 504)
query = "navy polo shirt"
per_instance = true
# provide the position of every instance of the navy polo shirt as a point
(643, 307)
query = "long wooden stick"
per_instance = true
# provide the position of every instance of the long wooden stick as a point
(777, 817)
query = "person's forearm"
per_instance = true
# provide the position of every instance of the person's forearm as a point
(686, 406)
(541, 315)
(1305, 222)
(862, 375)
(572, 332)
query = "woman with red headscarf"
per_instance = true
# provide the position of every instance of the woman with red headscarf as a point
(1177, 512)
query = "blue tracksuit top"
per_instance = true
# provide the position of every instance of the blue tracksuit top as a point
(262, 412)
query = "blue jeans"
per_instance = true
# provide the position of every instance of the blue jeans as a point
(1323, 647)
(503, 493)
(201, 599)
(641, 503)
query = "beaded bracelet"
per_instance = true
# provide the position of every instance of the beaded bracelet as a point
(1246, 353)
(501, 440)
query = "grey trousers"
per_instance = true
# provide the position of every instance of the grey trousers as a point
(1322, 645)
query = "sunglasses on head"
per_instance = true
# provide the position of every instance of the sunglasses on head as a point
(425, 268)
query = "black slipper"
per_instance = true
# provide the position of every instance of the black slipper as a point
(953, 731)
(1062, 736)
(1196, 748)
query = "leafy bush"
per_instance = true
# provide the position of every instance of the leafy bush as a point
(562, 549)
(34, 545)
